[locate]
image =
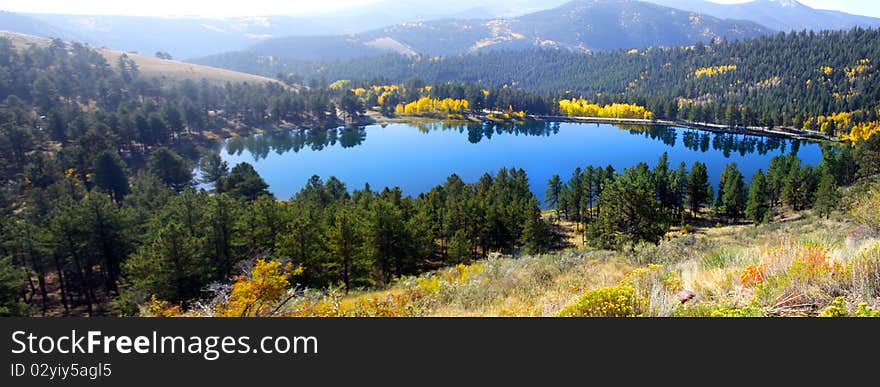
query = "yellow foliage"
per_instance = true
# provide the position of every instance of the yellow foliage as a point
(861, 68)
(863, 131)
(713, 71)
(160, 308)
(433, 106)
(583, 108)
(612, 301)
(340, 84)
(842, 123)
(359, 91)
(840, 308)
(257, 295)
(827, 70)
(385, 88)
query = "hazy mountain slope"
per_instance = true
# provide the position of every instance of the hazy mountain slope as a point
(783, 15)
(152, 67)
(23, 24)
(582, 25)
(191, 37)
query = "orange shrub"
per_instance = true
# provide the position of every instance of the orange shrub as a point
(753, 275)
(815, 258)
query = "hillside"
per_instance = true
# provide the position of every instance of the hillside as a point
(580, 26)
(800, 266)
(781, 15)
(153, 67)
(24, 24)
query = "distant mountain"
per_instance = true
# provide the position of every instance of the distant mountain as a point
(781, 15)
(191, 37)
(184, 37)
(23, 24)
(581, 25)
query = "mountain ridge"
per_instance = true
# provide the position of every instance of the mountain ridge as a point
(780, 15)
(579, 25)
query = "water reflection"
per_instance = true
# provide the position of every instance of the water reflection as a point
(726, 143)
(284, 141)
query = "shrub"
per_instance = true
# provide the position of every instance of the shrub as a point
(864, 209)
(862, 274)
(814, 258)
(644, 279)
(753, 275)
(160, 308)
(715, 310)
(839, 308)
(687, 229)
(748, 311)
(612, 301)
(258, 293)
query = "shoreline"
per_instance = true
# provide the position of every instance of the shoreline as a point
(715, 128)
(779, 132)
(376, 119)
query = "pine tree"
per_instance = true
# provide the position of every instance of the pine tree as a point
(697, 188)
(827, 196)
(244, 182)
(345, 239)
(12, 282)
(758, 204)
(554, 189)
(170, 168)
(732, 193)
(213, 169)
(630, 211)
(662, 182)
(535, 235)
(110, 175)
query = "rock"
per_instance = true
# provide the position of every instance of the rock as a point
(685, 296)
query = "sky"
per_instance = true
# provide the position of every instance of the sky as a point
(221, 8)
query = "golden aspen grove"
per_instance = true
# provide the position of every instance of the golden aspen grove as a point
(427, 106)
(582, 108)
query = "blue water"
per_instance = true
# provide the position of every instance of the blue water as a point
(417, 157)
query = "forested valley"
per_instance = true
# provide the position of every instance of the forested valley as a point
(823, 81)
(103, 214)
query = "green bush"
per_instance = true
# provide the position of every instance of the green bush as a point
(839, 308)
(612, 301)
(714, 310)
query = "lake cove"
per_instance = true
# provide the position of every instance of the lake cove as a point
(419, 156)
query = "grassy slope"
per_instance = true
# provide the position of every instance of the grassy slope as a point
(710, 262)
(152, 67)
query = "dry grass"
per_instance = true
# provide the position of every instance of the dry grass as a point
(804, 260)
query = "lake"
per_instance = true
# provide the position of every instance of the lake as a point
(418, 156)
